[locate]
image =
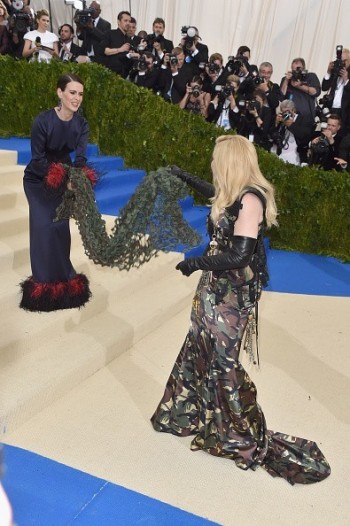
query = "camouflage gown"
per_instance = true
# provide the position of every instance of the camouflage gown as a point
(210, 395)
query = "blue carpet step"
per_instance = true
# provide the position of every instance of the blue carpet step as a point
(46, 493)
(111, 199)
(22, 146)
(105, 163)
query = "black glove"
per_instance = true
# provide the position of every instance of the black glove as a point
(205, 188)
(238, 256)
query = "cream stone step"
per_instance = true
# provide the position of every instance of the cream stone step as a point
(8, 157)
(13, 221)
(107, 285)
(11, 175)
(12, 197)
(96, 340)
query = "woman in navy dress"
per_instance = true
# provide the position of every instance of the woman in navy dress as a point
(56, 133)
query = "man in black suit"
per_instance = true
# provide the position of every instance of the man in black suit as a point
(92, 32)
(68, 51)
(324, 149)
(147, 74)
(117, 46)
(336, 82)
(131, 32)
(157, 44)
(175, 74)
(196, 53)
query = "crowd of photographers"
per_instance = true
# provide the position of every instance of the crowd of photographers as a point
(288, 119)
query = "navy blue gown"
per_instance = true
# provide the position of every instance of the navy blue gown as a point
(54, 284)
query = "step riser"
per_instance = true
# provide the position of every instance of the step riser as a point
(13, 200)
(13, 227)
(7, 157)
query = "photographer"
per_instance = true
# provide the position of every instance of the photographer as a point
(324, 149)
(240, 66)
(157, 44)
(291, 134)
(336, 83)
(175, 74)
(272, 90)
(214, 74)
(195, 99)
(195, 52)
(131, 32)
(21, 20)
(253, 119)
(224, 103)
(303, 88)
(92, 30)
(147, 74)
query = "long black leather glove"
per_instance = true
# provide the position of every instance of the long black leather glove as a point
(205, 188)
(238, 256)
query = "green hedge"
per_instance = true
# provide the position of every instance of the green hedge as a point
(148, 132)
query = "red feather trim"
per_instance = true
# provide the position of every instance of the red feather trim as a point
(76, 286)
(90, 174)
(38, 289)
(55, 176)
(57, 289)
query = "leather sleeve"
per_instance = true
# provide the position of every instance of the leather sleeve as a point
(203, 187)
(238, 256)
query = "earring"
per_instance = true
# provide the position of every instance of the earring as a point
(59, 105)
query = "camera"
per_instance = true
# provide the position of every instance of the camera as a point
(256, 78)
(141, 63)
(319, 151)
(19, 21)
(84, 17)
(299, 74)
(234, 65)
(286, 115)
(189, 33)
(213, 67)
(196, 90)
(224, 91)
(277, 137)
(173, 60)
(338, 64)
(152, 39)
(253, 104)
(322, 113)
(321, 146)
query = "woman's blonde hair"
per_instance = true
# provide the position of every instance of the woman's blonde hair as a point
(5, 10)
(235, 167)
(40, 13)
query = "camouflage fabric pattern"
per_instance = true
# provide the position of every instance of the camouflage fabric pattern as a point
(211, 396)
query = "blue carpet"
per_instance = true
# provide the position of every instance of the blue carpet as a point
(289, 271)
(45, 493)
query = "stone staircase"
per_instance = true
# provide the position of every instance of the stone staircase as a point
(44, 356)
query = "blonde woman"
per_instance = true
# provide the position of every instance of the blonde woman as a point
(4, 36)
(41, 44)
(209, 394)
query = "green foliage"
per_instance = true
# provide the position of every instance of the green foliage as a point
(148, 132)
